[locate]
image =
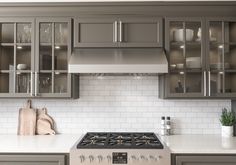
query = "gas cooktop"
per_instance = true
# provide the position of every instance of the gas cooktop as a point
(120, 140)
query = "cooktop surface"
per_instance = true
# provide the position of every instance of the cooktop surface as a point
(120, 140)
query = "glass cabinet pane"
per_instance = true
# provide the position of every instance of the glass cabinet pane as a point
(193, 82)
(216, 31)
(23, 33)
(193, 31)
(230, 82)
(6, 82)
(23, 82)
(216, 83)
(23, 57)
(230, 57)
(45, 32)
(177, 59)
(216, 56)
(177, 83)
(60, 80)
(232, 32)
(60, 57)
(45, 58)
(45, 83)
(61, 33)
(7, 33)
(193, 53)
(176, 31)
(6, 57)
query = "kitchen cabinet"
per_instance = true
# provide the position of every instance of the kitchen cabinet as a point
(16, 57)
(221, 53)
(34, 56)
(204, 160)
(118, 32)
(33, 159)
(185, 48)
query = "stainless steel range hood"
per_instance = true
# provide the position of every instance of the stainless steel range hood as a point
(126, 60)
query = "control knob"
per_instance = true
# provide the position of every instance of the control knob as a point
(91, 158)
(109, 158)
(82, 158)
(100, 158)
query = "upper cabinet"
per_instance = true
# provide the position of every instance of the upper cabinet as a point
(53, 48)
(34, 56)
(118, 32)
(221, 57)
(16, 57)
(202, 58)
(185, 50)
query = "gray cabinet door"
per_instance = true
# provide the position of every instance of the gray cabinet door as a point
(140, 32)
(205, 160)
(32, 160)
(53, 50)
(185, 48)
(95, 32)
(16, 57)
(221, 53)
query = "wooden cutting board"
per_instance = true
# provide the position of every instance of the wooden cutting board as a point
(45, 124)
(27, 120)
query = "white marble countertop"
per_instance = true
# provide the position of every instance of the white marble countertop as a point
(37, 144)
(211, 144)
(63, 143)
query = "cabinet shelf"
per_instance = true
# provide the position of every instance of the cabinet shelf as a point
(7, 44)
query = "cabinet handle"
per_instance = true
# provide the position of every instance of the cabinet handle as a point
(115, 31)
(31, 83)
(36, 84)
(209, 83)
(121, 38)
(205, 82)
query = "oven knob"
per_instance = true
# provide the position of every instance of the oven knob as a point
(153, 158)
(82, 158)
(109, 158)
(91, 158)
(142, 157)
(133, 157)
(100, 158)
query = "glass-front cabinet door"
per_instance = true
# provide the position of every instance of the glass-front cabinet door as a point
(16, 57)
(185, 48)
(53, 49)
(221, 57)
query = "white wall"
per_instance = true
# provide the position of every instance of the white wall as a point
(121, 104)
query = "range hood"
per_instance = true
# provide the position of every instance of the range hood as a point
(116, 60)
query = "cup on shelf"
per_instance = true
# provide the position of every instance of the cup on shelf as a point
(21, 66)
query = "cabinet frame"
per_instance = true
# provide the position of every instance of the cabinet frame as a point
(42, 159)
(183, 159)
(52, 20)
(165, 80)
(222, 20)
(15, 21)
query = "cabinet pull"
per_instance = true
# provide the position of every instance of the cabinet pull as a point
(36, 84)
(115, 31)
(209, 83)
(121, 38)
(205, 82)
(31, 83)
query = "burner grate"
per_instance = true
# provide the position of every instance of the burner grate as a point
(121, 140)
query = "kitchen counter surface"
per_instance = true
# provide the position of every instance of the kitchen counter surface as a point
(37, 144)
(213, 144)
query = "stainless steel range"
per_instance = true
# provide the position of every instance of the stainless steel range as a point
(120, 148)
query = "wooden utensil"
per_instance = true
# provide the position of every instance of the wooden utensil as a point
(27, 120)
(45, 124)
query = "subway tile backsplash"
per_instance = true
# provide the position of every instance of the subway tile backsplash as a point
(120, 103)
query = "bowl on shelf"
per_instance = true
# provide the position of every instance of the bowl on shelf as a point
(21, 66)
(193, 62)
(179, 35)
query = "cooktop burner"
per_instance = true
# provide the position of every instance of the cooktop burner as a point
(120, 140)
